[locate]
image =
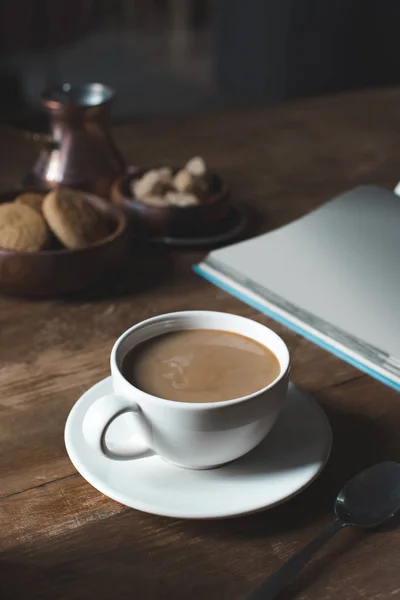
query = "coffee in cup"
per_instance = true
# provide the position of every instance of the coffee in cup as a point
(238, 377)
(200, 365)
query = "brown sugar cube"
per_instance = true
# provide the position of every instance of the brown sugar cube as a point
(181, 199)
(196, 166)
(183, 181)
(149, 183)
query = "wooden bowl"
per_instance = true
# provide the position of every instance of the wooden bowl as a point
(186, 221)
(59, 272)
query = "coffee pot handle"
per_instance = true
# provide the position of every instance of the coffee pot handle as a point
(102, 413)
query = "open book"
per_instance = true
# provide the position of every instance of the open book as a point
(332, 275)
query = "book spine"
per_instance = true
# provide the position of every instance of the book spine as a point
(360, 354)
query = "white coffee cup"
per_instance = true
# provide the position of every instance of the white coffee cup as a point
(191, 435)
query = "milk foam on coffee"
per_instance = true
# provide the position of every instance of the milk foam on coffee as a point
(200, 365)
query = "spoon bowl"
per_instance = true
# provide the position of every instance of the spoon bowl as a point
(370, 497)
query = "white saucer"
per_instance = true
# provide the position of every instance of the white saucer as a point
(289, 459)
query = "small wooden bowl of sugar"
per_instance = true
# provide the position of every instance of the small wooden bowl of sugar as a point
(181, 202)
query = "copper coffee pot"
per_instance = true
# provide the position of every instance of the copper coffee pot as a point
(81, 152)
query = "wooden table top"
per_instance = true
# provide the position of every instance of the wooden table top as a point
(59, 537)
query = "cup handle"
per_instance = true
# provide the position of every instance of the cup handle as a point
(102, 413)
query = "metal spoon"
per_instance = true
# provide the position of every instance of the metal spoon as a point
(367, 500)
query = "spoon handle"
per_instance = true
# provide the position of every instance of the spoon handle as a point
(284, 576)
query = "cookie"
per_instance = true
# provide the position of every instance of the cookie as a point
(72, 219)
(32, 199)
(22, 228)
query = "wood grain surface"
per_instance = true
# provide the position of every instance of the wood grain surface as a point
(59, 537)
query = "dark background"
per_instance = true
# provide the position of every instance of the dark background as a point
(189, 56)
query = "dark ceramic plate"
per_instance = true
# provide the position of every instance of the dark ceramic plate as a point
(232, 227)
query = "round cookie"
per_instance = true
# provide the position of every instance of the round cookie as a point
(22, 228)
(32, 199)
(72, 218)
